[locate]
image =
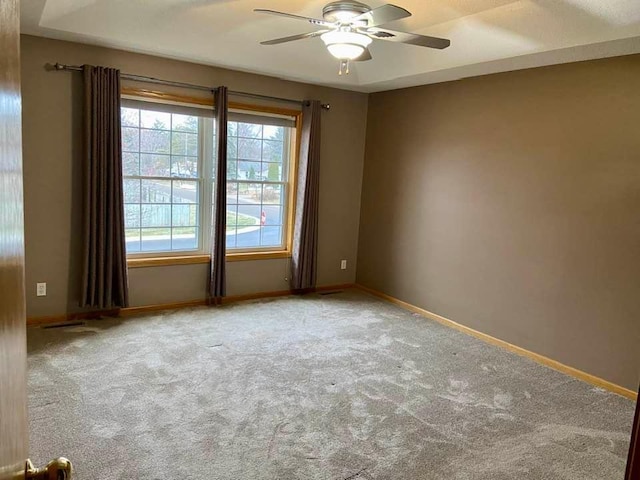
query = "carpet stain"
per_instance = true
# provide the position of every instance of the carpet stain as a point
(502, 400)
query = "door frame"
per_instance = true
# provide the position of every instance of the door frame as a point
(633, 462)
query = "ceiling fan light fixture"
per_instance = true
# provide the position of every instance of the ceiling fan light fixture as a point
(344, 11)
(345, 17)
(345, 45)
(345, 51)
(349, 26)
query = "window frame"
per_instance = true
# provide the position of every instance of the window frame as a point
(147, 259)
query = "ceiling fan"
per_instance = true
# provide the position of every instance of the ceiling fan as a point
(348, 28)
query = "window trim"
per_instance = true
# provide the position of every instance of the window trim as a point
(149, 259)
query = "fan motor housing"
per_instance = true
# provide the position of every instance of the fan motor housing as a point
(343, 10)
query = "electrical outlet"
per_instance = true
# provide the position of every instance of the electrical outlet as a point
(343, 265)
(41, 289)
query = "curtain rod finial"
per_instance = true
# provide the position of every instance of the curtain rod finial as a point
(326, 106)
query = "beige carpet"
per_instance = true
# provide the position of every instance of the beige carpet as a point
(340, 386)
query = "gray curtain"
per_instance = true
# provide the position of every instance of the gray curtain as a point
(305, 229)
(104, 279)
(217, 279)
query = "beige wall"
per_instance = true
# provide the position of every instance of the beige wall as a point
(508, 203)
(511, 203)
(51, 121)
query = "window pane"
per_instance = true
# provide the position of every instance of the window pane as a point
(271, 209)
(260, 154)
(154, 165)
(273, 194)
(185, 215)
(130, 139)
(249, 192)
(131, 215)
(162, 215)
(272, 151)
(130, 163)
(274, 212)
(130, 117)
(156, 239)
(157, 120)
(184, 143)
(271, 236)
(231, 238)
(250, 130)
(273, 171)
(240, 224)
(155, 215)
(259, 216)
(247, 222)
(259, 206)
(184, 123)
(232, 193)
(185, 191)
(248, 238)
(132, 239)
(154, 141)
(184, 238)
(249, 149)
(156, 191)
(249, 214)
(131, 191)
(232, 169)
(184, 167)
(232, 215)
(232, 147)
(249, 170)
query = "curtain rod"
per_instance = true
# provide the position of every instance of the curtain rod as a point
(140, 78)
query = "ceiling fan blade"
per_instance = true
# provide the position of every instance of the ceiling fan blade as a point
(409, 38)
(313, 21)
(302, 36)
(365, 57)
(381, 15)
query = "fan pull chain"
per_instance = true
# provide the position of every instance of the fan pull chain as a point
(344, 67)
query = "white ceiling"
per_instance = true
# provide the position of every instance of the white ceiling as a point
(487, 36)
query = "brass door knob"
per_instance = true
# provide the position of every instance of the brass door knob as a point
(58, 469)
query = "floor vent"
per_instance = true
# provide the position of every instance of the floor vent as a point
(62, 325)
(332, 292)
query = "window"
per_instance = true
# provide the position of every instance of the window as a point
(168, 169)
(257, 183)
(162, 156)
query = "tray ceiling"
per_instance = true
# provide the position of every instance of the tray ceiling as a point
(487, 36)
